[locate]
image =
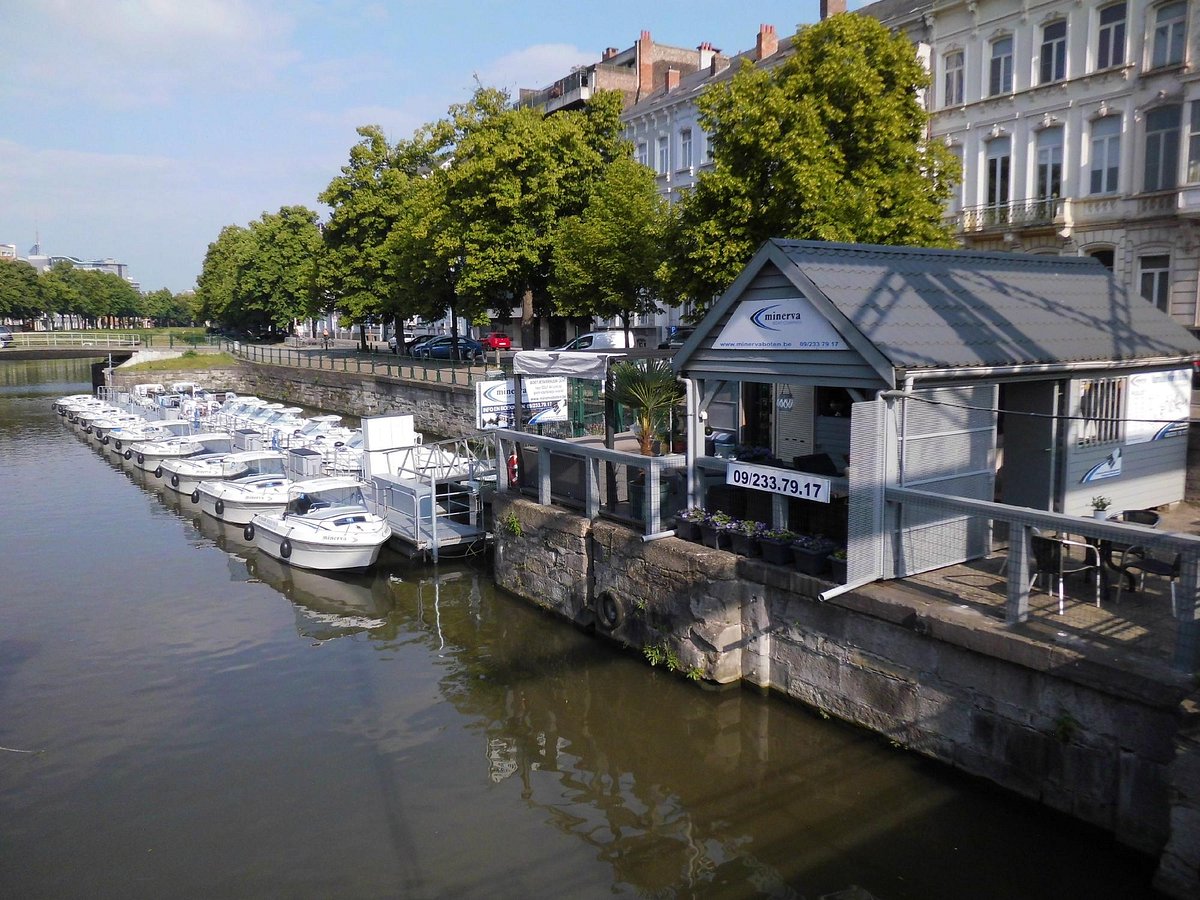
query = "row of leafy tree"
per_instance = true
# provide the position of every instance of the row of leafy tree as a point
(85, 298)
(494, 207)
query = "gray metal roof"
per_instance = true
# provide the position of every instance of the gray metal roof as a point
(924, 308)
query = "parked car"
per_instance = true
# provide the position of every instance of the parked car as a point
(394, 344)
(6, 336)
(497, 340)
(443, 348)
(677, 337)
(598, 340)
(410, 345)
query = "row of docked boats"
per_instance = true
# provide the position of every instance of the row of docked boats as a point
(307, 491)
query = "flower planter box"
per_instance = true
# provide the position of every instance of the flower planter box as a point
(837, 569)
(744, 544)
(687, 531)
(777, 553)
(712, 536)
(810, 562)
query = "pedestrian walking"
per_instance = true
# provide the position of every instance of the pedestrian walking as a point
(325, 337)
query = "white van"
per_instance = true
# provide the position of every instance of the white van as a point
(599, 340)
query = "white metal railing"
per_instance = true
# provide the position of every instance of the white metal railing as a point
(33, 340)
(575, 474)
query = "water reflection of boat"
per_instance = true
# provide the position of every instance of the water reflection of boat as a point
(327, 606)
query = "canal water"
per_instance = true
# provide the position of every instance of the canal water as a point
(183, 718)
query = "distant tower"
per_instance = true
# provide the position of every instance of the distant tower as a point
(36, 249)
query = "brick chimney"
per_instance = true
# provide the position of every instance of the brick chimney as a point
(706, 51)
(768, 41)
(609, 53)
(672, 79)
(645, 65)
(832, 8)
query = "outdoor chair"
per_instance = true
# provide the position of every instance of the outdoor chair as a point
(1135, 563)
(1057, 558)
(1110, 550)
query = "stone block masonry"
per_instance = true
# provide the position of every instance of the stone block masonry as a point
(1115, 748)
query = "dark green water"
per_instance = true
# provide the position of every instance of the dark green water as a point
(211, 724)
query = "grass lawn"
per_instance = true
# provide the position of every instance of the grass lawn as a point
(190, 361)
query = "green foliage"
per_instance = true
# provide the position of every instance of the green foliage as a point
(512, 524)
(649, 388)
(662, 654)
(189, 360)
(829, 145)
(1065, 727)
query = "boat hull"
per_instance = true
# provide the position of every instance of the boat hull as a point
(309, 550)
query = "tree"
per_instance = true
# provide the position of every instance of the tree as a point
(829, 145)
(606, 258)
(277, 283)
(367, 201)
(21, 295)
(216, 288)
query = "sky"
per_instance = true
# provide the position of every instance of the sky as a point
(138, 129)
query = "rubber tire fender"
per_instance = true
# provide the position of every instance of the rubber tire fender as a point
(248, 531)
(196, 495)
(285, 549)
(610, 613)
(219, 506)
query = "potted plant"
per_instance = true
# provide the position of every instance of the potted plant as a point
(837, 565)
(744, 537)
(649, 389)
(776, 546)
(715, 530)
(811, 553)
(687, 524)
(1100, 505)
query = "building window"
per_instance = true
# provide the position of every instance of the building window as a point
(1106, 154)
(999, 161)
(1153, 279)
(1162, 148)
(1110, 51)
(953, 83)
(1169, 21)
(1193, 169)
(1101, 407)
(1049, 163)
(710, 149)
(685, 148)
(643, 153)
(1000, 77)
(664, 156)
(1054, 52)
(1106, 255)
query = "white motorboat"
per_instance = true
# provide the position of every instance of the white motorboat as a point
(186, 474)
(149, 455)
(318, 431)
(238, 500)
(121, 440)
(325, 526)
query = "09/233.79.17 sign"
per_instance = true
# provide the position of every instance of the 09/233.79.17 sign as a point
(777, 481)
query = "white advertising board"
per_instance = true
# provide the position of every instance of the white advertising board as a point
(777, 481)
(544, 400)
(778, 325)
(1159, 405)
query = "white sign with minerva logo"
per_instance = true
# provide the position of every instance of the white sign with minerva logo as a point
(544, 400)
(778, 325)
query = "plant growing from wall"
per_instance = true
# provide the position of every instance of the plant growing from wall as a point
(511, 524)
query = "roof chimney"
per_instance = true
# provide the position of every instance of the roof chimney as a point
(706, 51)
(609, 53)
(768, 41)
(832, 8)
(645, 65)
(672, 79)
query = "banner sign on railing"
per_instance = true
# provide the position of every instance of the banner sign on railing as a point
(544, 400)
(777, 481)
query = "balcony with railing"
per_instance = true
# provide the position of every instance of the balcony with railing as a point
(1046, 213)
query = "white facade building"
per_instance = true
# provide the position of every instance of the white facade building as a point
(1078, 124)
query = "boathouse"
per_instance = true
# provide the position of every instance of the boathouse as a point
(1033, 381)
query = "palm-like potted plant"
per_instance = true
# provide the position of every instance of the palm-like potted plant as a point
(648, 388)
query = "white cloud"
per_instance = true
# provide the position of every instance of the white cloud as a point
(533, 67)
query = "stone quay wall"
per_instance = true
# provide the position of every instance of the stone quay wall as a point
(438, 409)
(1118, 749)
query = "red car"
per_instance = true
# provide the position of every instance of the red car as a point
(497, 340)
